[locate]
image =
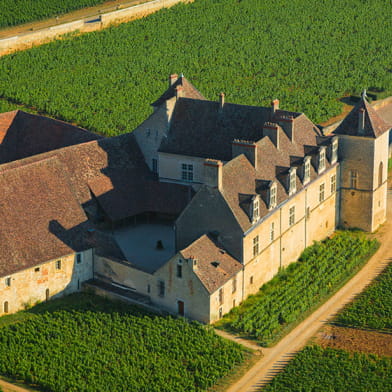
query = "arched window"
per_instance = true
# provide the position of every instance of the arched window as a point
(380, 170)
(6, 307)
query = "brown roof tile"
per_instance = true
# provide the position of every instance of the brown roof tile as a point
(40, 217)
(214, 266)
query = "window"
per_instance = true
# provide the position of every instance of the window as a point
(161, 288)
(6, 307)
(251, 280)
(8, 282)
(155, 165)
(272, 200)
(321, 160)
(322, 193)
(148, 289)
(47, 294)
(256, 246)
(292, 215)
(334, 154)
(78, 258)
(256, 210)
(333, 183)
(306, 170)
(58, 264)
(292, 181)
(380, 170)
(36, 269)
(187, 172)
(234, 287)
(220, 313)
(179, 271)
(353, 179)
(272, 231)
(221, 296)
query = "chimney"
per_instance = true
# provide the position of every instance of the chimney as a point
(172, 79)
(213, 173)
(248, 148)
(287, 123)
(274, 106)
(272, 131)
(221, 100)
(361, 122)
(179, 92)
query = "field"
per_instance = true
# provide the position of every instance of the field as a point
(14, 12)
(307, 53)
(86, 343)
(289, 296)
(317, 369)
(372, 309)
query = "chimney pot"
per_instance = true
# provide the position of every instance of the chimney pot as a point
(274, 106)
(272, 131)
(221, 100)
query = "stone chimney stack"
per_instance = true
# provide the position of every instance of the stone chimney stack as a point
(287, 123)
(274, 107)
(179, 92)
(221, 100)
(272, 131)
(248, 148)
(361, 121)
(213, 173)
(172, 79)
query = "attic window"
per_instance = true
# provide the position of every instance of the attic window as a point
(292, 181)
(321, 160)
(306, 170)
(334, 152)
(272, 196)
(215, 264)
(187, 172)
(256, 210)
(8, 282)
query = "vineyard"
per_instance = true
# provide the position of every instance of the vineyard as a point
(86, 343)
(373, 308)
(321, 269)
(307, 53)
(317, 369)
(14, 12)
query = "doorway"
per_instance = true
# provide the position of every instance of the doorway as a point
(181, 308)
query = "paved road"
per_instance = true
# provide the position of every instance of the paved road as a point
(275, 358)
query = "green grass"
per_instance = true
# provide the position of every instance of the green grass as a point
(300, 288)
(87, 343)
(315, 369)
(372, 309)
(307, 53)
(14, 12)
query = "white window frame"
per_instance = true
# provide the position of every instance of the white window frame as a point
(306, 170)
(291, 216)
(187, 172)
(272, 231)
(292, 181)
(321, 166)
(255, 209)
(322, 192)
(334, 152)
(255, 245)
(333, 183)
(272, 196)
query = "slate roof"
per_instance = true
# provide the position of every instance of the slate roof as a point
(214, 265)
(375, 126)
(201, 128)
(188, 91)
(40, 217)
(24, 134)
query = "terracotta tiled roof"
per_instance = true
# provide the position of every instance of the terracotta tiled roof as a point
(188, 91)
(23, 135)
(214, 266)
(40, 217)
(374, 124)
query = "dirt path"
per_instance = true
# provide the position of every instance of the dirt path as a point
(83, 13)
(7, 387)
(275, 358)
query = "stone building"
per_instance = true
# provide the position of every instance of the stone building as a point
(193, 211)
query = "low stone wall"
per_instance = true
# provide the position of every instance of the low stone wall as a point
(91, 23)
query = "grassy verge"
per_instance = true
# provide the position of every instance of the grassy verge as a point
(297, 291)
(87, 343)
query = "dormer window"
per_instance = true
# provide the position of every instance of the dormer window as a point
(255, 209)
(334, 152)
(292, 181)
(321, 162)
(272, 196)
(306, 177)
